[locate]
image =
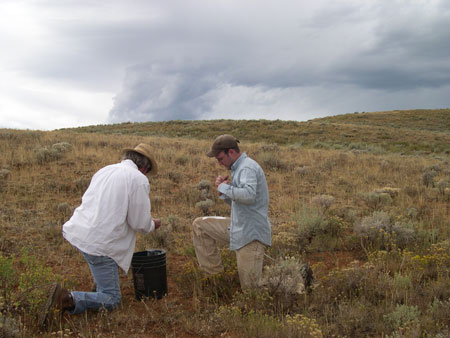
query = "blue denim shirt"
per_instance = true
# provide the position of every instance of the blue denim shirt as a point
(248, 195)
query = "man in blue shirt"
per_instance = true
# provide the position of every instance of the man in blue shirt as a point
(248, 229)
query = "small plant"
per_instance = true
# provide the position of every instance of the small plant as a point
(403, 314)
(376, 200)
(324, 202)
(81, 184)
(303, 170)
(428, 178)
(271, 162)
(4, 174)
(65, 208)
(381, 232)
(310, 222)
(204, 206)
(204, 185)
(182, 160)
(53, 153)
(24, 292)
(9, 327)
(161, 238)
(286, 279)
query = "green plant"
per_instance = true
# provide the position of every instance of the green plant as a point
(402, 314)
(376, 200)
(204, 206)
(380, 232)
(285, 280)
(7, 276)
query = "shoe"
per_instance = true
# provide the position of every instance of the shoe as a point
(58, 300)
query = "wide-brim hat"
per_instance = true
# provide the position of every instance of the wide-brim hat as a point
(145, 150)
(221, 143)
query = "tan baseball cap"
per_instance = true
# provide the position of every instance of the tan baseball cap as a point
(146, 150)
(221, 143)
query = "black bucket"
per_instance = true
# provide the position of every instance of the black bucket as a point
(149, 274)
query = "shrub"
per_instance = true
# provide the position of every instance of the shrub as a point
(393, 192)
(286, 279)
(286, 240)
(310, 222)
(443, 185)
(376, 200)
(403, 314)
(62, 146)
(160, 238)
(303, 170)
(182, 160)
(204, 185)
(53, 153)
(81, 184)
(323, 201)
(379, 231)
(9, 327)
(205, 205)
(4, 174)
(271, 162)
(65, 208)
(428, 178)
(24, 290)
(261, 325)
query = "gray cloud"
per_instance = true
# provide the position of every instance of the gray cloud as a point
(153, 60)
(338, 51)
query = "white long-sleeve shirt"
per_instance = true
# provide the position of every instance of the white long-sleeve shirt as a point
(115, 206)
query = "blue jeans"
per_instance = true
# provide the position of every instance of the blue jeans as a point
(106, 276)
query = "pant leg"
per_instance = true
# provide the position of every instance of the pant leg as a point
(250, 260)
(208, 233)
(106, 276)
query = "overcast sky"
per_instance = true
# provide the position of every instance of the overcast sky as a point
(68, 63)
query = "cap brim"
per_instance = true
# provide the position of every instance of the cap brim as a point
(213, 153)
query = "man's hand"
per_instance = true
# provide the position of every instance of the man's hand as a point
(157, 222)
(221, 179)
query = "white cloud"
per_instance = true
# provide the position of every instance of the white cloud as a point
(97, 61)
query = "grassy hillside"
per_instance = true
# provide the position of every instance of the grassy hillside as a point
(365, 204)
(429, 120)
(408, 132)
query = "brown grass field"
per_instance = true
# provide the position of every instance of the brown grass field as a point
(363, 199)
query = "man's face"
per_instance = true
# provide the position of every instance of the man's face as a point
(225, 159)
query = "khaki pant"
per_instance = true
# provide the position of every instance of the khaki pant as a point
(209, 233)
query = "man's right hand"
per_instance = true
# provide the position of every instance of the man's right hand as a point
(157, 222)
(221, 179)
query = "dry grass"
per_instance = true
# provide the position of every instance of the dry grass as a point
(364, 287)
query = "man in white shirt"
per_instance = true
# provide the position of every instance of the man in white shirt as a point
(103, 228)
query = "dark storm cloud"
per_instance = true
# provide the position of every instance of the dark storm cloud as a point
(156, 93)
(345, 48)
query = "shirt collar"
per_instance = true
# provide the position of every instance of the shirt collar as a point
(129, 163)
(238, 161)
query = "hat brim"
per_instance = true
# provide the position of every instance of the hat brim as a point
(214, 152)
(154, 169)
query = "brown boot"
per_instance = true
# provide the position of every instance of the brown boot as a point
(58, 301)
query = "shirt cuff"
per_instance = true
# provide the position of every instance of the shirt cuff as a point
(152, 225)
(223, 188)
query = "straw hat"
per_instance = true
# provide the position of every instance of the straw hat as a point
(145, 150)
